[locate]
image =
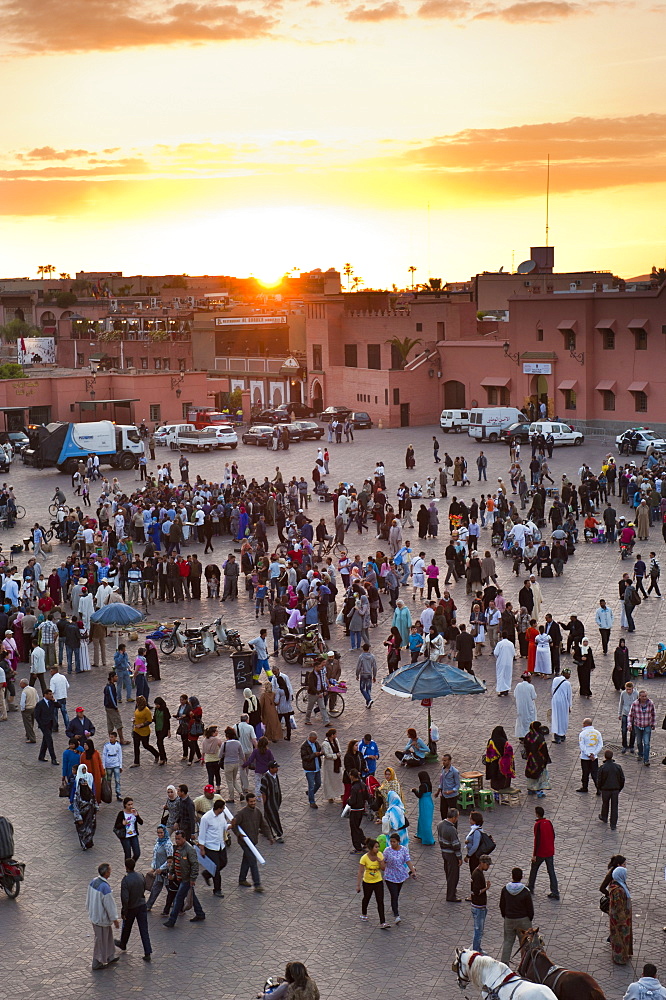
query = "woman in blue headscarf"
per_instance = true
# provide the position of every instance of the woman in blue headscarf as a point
(426, 809)
(619, 912)
(394, 819)
(162, 850)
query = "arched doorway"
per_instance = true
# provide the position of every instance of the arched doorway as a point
(454, 395)
(538, 395)
(317, 396)
(277, 397)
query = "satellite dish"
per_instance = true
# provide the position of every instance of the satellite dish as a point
(527, 267)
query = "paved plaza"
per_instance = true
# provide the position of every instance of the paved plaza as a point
(310, 910)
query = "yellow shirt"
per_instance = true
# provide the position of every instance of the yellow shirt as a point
(142, 719)
(373, 872)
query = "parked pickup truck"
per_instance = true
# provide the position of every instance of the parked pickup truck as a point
(222, 436)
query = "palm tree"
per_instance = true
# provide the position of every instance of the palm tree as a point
(64, 276)
(402, 347)
(49, 269)
(412, 270)
(356, 283)
(348, 270)
(41, 270)
(658, 275)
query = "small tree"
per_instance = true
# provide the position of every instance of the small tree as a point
(235, 399)
(17, 328)
(177, 281)
(11, 370)
(65, 299)
(401, 348)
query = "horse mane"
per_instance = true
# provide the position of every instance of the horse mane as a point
(481, 964)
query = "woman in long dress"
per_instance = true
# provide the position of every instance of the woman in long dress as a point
(530, 636)
(331, 767)
(426, 809)
(621, 672)
(585, 665)
(269, 714)
(84, 807)
(538, 759)
(394, 819)
(478, 622)
(389, 784)
(543, 664)
(493, 757)
(91, 758)
(252, 710)
(619, 912)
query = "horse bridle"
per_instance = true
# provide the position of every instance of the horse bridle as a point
(492, 992)
(531, 956)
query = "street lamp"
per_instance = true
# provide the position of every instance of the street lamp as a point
(507, 353)
(90, 385)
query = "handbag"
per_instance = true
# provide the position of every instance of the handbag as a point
(604, 904)
(63, 790)
(149, 879)
(105, 791)
(474, 631)
(189, 901)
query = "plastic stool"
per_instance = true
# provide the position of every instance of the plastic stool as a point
(486, 798)
(465, 798)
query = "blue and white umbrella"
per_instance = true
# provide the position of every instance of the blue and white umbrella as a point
(117, 615)
(430, 679)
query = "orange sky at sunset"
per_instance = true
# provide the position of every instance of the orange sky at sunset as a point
(250, 137)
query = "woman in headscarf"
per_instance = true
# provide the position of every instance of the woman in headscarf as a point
(523, 625)
(389, 784)
(84, 807)
(477, 621)
(584, 661)
(410, 460)
(394, 819)
(284, 699)
(423, 520)
(538, 759)
(433, 519)
(426, 808)
(243, 522)
(621, 672)
(353, 760)
(18, 637)
(153, 660)
(171, 808)
(492, 757)
(162, 849)
(10, 647)
(91, 758)
(619, 912)
(543, 663)
(269, 714)
(331, 767)
(393, 644)
(402, 619)
(252, 710)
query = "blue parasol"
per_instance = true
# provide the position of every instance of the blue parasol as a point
(430, 679)
(117, 615)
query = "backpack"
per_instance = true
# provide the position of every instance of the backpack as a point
(486, 845)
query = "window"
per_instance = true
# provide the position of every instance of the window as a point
(663, 329)
(569, 399)
(569, 340)
(374, 356)
(158, 364)
(144, 362)
(316, 357)
(155, 412)
(497, 396)
(441, 331)
(39, 415)
(419, 327)
(181, 364)
(609, 399)
(166, 365)
(186, 407)
(129, 362)
(539, 334)
(385, 397)
(608, 340)
(396, 397)
(80, 359)
(640, 402)
(351, 356)
(641, 340)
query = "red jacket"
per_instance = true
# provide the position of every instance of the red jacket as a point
(544, 839)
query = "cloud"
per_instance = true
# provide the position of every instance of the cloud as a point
(36, 26)
(534, 11)
(389, 11)
(49, 153)
(100, 168)
(450, 10)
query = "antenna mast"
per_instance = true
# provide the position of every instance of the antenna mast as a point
(547, 194)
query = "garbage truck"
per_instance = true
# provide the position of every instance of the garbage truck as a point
(64, 445)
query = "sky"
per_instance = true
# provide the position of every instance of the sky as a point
(259, 136)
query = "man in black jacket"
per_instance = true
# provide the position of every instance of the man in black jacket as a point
(465, 648)
(358, 796)
(610, 781)
(555, 633)
(132, 897)
(45, 714)
(311, 755)
(185, 817)
(517, 908)
(576, 631)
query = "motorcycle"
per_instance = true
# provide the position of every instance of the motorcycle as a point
(294, 647)
(173, 640)
(12, 874)
(202, 640)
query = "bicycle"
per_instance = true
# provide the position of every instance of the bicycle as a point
(20, 512)
(335, 712)
(55, 507)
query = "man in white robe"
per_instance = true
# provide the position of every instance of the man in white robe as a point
(560, 704)
(538, 597)
(86, 608)
(525, 696)
(505, 653)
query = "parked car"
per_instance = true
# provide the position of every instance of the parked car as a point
(262, 434)
(341, 412)
(641, 439)
(519, 432)
(308, 430)
(298, 411)
(167, 433)
(361, 420)
(562, 433)
(273, 416)
(19, 440)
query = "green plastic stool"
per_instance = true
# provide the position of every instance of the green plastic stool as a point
(486, 798)
(465, 798)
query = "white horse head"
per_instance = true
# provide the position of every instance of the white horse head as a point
(495, 978)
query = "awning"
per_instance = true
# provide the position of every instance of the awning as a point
(605, 324)
(568, 324)
(495, 380)
(606, 385)
(637, 324)
(119, 402)
(638, 387)
(567, 383)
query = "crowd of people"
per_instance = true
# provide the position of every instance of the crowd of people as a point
(307, 575)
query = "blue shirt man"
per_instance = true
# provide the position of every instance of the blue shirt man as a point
(370, 751)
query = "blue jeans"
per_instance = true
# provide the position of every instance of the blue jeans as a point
(115, 772)
(181, 894)
(249, 864)
(479, 917)
(76, 653)
(643, 737)
(123, 678)
(405, 573)
(61, 705)
(61, 649)
(314, 784)
(365, 685)
(355, 640)
(632, 735)
(277, 632)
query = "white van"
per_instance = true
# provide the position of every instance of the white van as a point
(172, 431)
(454, 420)
(562, 433)
(487, 422)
